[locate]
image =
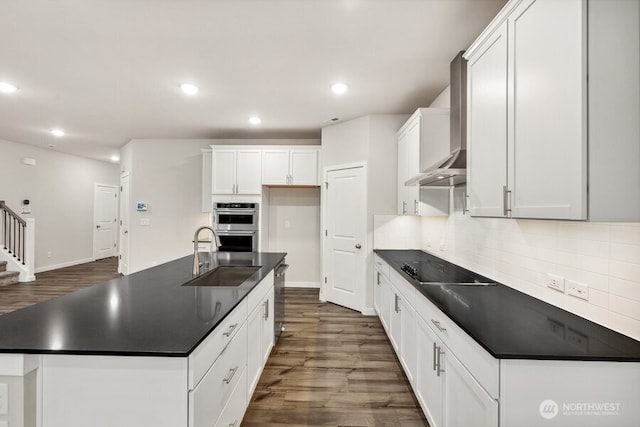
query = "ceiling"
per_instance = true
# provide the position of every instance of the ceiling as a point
(108, 71)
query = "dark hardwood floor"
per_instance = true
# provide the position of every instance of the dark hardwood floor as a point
(331, 367)
(54, 283)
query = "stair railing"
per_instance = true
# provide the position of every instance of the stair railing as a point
(13, 232)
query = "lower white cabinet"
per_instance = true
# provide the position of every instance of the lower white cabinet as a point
(260, 337)
(212, 393)
(234, 410)
(429, 388)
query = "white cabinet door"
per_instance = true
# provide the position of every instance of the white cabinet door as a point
(223, 171)
(403, 147)
(429, 386)
(487, 127)
(266, 340)
(385, 295)
(408, 343)
(395, 321)
(304, 167)
(547, 114)
(254, 351)
(249, 171)
(377, 292)
(275, 166)
(409, 166)
(466, 402)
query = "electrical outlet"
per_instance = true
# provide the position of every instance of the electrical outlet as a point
(555, 282)
(4, 399)
(578, 290)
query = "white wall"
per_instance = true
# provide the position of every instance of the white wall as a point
(294, 228)
(60, 188)
(167, 174)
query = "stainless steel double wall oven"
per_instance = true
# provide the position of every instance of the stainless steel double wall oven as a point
(237, 225)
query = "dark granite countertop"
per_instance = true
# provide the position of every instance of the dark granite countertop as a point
(148, 313)
(512, 325)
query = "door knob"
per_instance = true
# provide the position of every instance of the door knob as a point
(358, 246)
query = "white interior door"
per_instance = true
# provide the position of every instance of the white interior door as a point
(105, 213)
(344, 251)
(123, 261)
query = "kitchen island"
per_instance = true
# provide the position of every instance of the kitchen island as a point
(140, 350)
(477, 352)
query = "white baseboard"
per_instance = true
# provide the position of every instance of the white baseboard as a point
(369, 312)
(290, 284)
(62, 265)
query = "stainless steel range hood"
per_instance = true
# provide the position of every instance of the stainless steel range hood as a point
(452, 170)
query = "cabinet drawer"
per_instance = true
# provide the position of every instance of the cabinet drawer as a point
(212, 393)
(257, 294)
(381, 265)
(210, 349)
(234, 410)
(407, 291)
(482, 366)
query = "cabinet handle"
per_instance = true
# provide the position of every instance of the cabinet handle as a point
(404, 208)
(232, 372)
(440, 370)
(505, 201)
(378, 277)
(440, 328)
(465, 203)
(435, 350)
(416, 207)
(230, 330)
(397, 306)
(266, 309)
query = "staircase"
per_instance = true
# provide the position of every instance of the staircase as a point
(7, 277)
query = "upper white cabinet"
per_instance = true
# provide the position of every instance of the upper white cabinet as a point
(290, 166)
(235, 170)
(413, 155)
(541, 144)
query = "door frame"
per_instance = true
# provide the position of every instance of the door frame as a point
(123, 205)
(116, 227)
(323, 222)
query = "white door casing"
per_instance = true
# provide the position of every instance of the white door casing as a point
(345, 225)
(105, 213)
(123, 260)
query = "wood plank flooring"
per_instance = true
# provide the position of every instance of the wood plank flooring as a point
(331, 367)
(54, 283)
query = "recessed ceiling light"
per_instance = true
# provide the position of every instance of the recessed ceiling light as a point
(339, 88)
(115, 158)
(57, 132)
(189, 88)
(255, 120)
(7, 87)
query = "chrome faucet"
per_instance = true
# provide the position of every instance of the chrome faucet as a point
(196, 256)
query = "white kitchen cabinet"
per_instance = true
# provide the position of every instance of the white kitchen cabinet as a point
(527, 79)
(260, 334)
(415, 153)
(409, 166)
(236, 170)
(408, 344)
(429, 387)
(487, 127)
(290, 166)
(395, 321)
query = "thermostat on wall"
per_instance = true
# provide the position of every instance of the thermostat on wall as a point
(142, 206)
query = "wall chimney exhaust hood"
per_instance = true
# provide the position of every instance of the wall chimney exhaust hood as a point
(452, 170)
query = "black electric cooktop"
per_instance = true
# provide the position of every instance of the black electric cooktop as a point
(434, 271)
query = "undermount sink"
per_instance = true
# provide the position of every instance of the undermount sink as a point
(224, 276)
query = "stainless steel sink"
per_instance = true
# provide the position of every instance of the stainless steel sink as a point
(224, 276)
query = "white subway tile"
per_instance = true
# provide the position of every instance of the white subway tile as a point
(626, 233)
(625, 252)
(624, 270)
(625, 306)
(625, 325)
(584, 231)
(624, 288)
(599, 298)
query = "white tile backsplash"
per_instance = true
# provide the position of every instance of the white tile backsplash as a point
(520, 253)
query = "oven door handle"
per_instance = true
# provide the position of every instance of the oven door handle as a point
(236, 232)
(235, 211)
